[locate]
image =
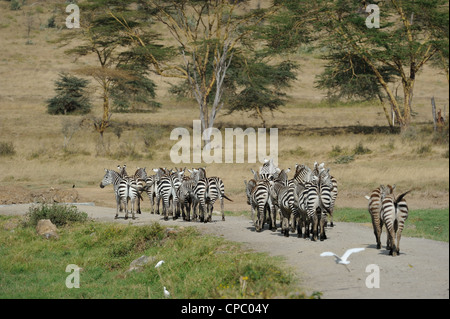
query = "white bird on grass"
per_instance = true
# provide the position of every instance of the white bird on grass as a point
(166, 292)
(159, 263)
(342, 260)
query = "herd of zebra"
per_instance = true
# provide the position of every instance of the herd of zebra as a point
(178, 192)
(303, 202)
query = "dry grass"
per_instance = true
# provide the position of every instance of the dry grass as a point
(308, 130)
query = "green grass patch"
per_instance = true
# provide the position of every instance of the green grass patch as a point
(422, 223)
(196, 265)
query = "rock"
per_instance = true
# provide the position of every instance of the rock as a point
(47, 229)
(138, 264)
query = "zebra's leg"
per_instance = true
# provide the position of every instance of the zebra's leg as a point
(158, 199)
(125, 203)
(299, 225)
(259, 218)
(314, 225)
(132, 207)
(221, 208)
(138, 209)
(323, 223)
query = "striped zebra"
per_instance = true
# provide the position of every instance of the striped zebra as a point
(114, 178)
(311, 206)
(334, 193)
(394, 212)
(207, 190)
(128, 189)
(261, 202)
(185, 197)
(153, 193)
(124, 188)
(248, 192)
(325, 193)
(167, 186)
(375, 204)
(283, 198)
(140, 176)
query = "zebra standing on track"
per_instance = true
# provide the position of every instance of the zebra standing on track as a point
(375, 205)
(185, 197)
(167, 187)
(394, 212)
(114, 178)
(260, 198)
(123, 189)
(207, 190)
(325, 193)
(283, 198)
(140, 177)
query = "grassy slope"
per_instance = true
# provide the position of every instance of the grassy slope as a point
(195, 266)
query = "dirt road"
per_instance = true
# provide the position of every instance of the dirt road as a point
(421, 271)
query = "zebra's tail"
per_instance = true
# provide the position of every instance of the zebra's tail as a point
(225, 196)
(399, 198)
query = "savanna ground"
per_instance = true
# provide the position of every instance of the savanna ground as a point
(309, 130)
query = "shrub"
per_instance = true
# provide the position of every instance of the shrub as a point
(345, 159)
(361, 150)
(59, 215)
(71, 97)
(7, 149)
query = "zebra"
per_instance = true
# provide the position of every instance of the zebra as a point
(325, 193)
(261, 201)
(268, 170)
(310, 205)
(128, 189)
(140, 177)
(153, 193)
(185, 197)
(394, 212)
(114, 178)
(207, 190)
(167, 186)
(334, 193)
(124, 188)
(248, 192)
(282, 195)
(375, 204)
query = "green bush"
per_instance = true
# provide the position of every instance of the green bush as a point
(71, 97)
(361, 150)
(58, 214)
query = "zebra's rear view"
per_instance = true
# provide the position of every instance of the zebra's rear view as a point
(394, 212)
(375, 205)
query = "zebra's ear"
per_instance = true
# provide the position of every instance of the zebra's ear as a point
(287, 170)
(155, 170)
(393, 187)
(106, 169)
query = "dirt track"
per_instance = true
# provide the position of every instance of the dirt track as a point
(421, 270)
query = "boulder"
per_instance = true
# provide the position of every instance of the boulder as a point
(47, 229)
(137, 264)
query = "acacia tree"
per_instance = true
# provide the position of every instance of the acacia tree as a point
(208, 34)
(411, 33)
(119, 61)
